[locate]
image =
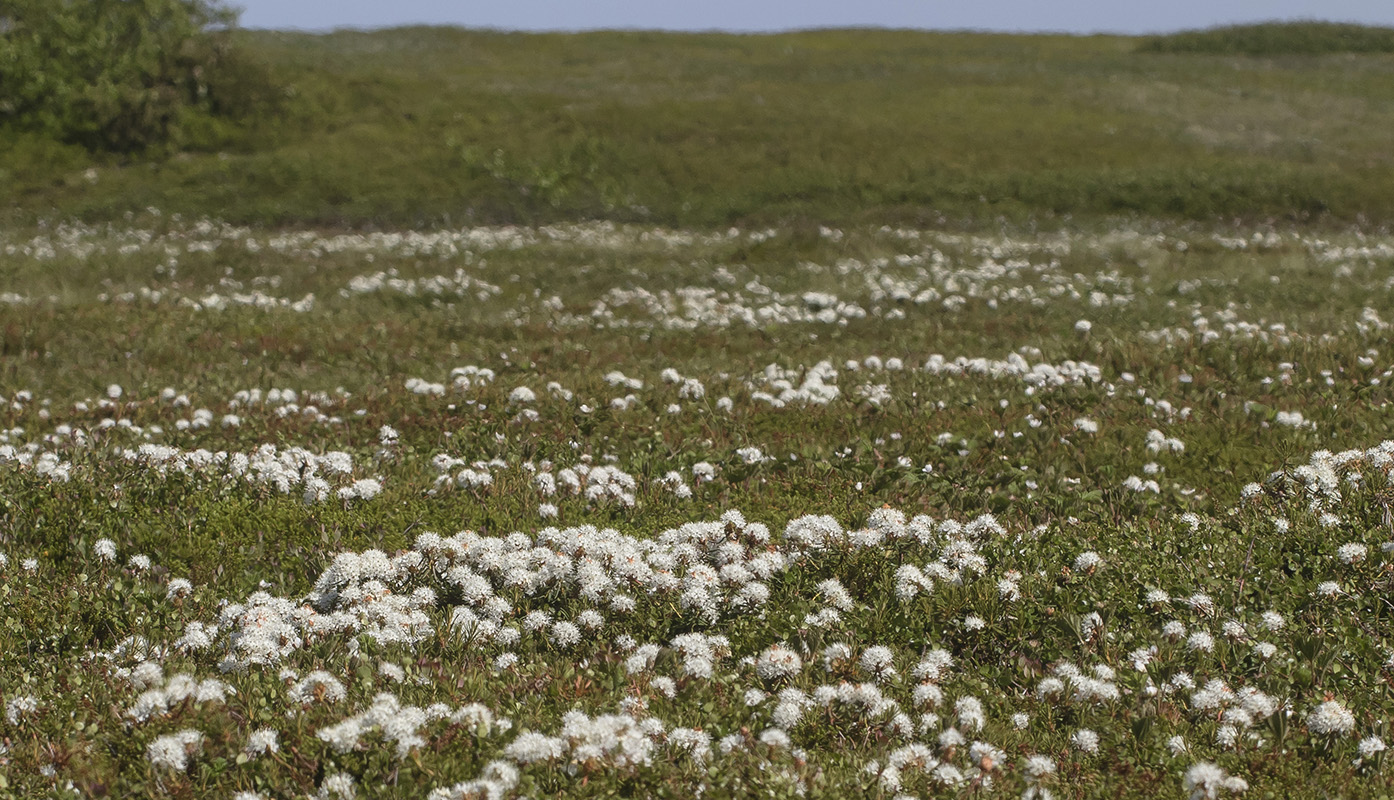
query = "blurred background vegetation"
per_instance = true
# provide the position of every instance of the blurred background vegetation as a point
(1288, 122)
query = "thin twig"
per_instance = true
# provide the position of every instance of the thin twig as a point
(1244, 570)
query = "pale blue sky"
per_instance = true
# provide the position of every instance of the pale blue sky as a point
(1077, 16)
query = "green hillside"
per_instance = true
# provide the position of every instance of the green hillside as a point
(436, 125)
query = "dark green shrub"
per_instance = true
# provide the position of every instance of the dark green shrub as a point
(122, 75)
(1276, 39)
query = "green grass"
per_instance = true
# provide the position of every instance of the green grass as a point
(446, 126)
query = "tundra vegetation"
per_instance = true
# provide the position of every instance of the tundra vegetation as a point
(499, 476)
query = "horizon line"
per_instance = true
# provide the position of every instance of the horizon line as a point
(752, 31)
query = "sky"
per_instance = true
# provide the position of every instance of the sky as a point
(1074, 16)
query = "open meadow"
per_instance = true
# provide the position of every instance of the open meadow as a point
(595, 509)
(1014, 421)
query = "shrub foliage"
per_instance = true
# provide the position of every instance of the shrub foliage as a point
(119, 75)
(1277, 39)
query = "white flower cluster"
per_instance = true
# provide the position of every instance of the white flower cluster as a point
(457, 284)
(173, 752)
(401, 724)
(1330, 718)
(285, 471)
(158, 701)
(44, 464)
(353, 596)
(1158, 442)
(1205, 781)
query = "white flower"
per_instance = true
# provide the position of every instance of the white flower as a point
(1227, 736)
(1083, 326)
(337, 787)
(1370, 747)
(1049, 687)
(695, 742)
(1234, 630)
(752, 455)
(790, 709)
(387, 436)
(1351, 553)
(1091, 625)
(179, 587)
(317, 686)
(934, 665)
(173, 751)
(776, 738)
(19, 707)
(1201, 603)
(105, 550)
(1086, 425)
(365, 489)
(1088, 561)
(1038, 767)
(970, 713)
(530, 747)
(834, 593)
(778, 662)
(879, 661)
(909, 582)
(1272, 621)
(1204, 781)
(1331, 718)
(1008, 590)
(1328, 589)
(1085, 740)
(565, 635)
(262, 742)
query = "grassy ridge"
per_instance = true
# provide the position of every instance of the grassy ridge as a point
(435, 125)
(1277, 39)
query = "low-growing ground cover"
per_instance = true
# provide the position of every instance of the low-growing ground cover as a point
(598, 510)
(415, 127)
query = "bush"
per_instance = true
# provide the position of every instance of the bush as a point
(120, 75)
(1276, 39)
